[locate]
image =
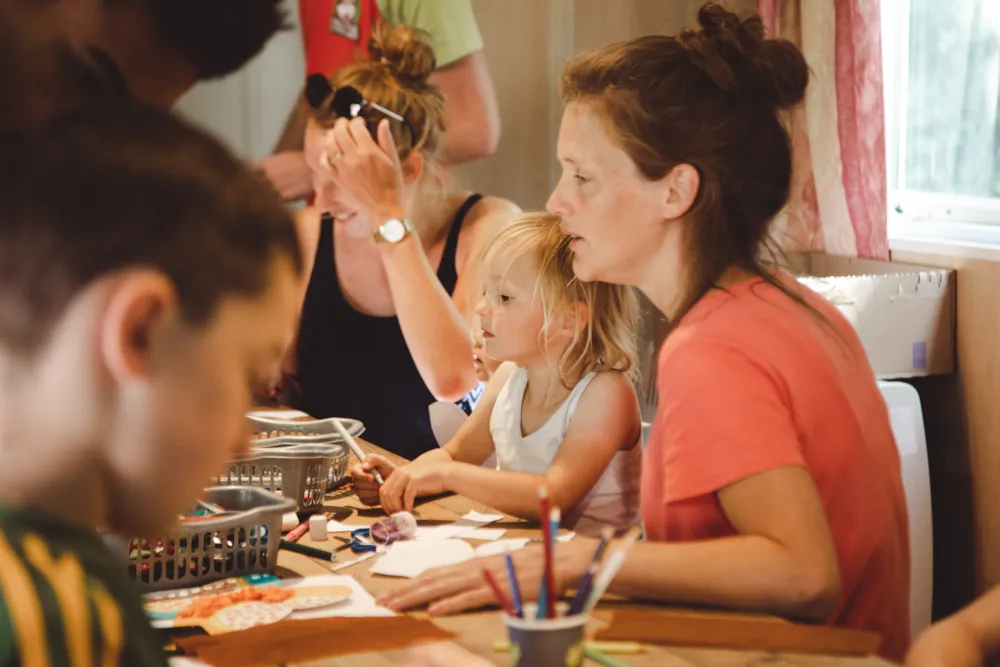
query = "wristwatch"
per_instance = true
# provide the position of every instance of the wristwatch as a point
(393, 231)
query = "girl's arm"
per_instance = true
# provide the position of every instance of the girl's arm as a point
(606, 421)
(472, 445)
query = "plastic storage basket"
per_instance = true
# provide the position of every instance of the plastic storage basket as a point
(300, 473)
(233, 545)
(268, 432)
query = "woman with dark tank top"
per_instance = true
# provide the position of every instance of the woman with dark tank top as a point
(385, 327)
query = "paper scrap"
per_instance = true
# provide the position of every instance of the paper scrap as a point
(502, 546)
(361, 602)
(471, 520)
(485, 534)
(411, 558)
(334, 526)
(565, 537)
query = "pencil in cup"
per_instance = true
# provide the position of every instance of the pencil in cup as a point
(501, 599)
(354, 447)
(586, 584)
(555, 518)
(515, 588)
(613, 563)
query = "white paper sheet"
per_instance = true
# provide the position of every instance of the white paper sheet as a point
(565, 537)
(484, 534)
(334, 526)
(502, 546)
(361, 603)
(468, 522)
(413, 557)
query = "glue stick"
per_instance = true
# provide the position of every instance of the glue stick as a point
(317, 527)
(400, 526)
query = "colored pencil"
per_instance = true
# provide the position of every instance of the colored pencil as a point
(543, 517)
(604, 659)
(583, 590)
(515, 588)
(501, 599)
(611, 566)
(555, 518)
(353, 445)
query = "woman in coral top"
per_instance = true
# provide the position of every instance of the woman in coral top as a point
(771, 480)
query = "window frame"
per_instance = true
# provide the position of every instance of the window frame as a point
(917, 213)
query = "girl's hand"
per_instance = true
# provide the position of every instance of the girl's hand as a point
(368, 176)
(411, 481)
(364, 482)
(457, 588)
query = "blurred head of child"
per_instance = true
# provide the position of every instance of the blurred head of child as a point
(147, 281)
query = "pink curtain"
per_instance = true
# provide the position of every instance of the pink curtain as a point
(838, 203)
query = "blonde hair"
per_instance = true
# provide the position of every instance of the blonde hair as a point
(395, 76)
(608, 340)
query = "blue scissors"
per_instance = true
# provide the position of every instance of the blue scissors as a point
(359, 542)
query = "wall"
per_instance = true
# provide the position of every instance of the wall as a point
(963, 437)
(527, 43)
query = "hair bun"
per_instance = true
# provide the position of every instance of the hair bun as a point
(735, 53)
(405, 51)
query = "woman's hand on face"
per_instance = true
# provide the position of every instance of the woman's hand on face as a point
(368, 175)
(364, 482)
(457, 588)
(411, 481)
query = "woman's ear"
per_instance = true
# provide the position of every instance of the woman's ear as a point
(680, 190)
(413, 167)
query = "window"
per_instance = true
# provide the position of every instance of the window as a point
(942, 96)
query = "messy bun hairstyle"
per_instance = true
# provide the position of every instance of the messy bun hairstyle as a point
(395, 75)
(710, 98)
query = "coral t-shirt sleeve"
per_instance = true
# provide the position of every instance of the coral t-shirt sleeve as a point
(720, 418)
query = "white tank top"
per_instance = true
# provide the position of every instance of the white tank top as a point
(613, 501)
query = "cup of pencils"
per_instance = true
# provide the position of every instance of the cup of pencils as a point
(556, 640)
(551, 632)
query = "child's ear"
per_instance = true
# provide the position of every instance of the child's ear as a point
(139, 304)
(576, 318)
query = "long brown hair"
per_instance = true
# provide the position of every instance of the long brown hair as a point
(710, 98)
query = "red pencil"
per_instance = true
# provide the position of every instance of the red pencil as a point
(498, 593)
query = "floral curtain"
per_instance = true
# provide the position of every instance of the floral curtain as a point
(838, 202)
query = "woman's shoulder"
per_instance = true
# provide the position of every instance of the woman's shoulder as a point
(482, 221)
(488, 215)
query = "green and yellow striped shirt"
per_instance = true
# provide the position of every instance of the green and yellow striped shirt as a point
(65, 600)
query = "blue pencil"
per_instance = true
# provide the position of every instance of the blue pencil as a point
(515, 590)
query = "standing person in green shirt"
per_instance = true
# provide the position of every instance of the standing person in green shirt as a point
(335, 33)
(147, 284)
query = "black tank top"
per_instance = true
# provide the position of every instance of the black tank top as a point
(358, 366)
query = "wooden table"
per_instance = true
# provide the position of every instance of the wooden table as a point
(476, 632)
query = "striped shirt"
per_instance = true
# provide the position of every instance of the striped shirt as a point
(65, 600)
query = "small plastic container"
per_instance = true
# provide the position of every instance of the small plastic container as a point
(399, 526)
(550, 641)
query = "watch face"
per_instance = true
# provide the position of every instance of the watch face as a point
(393, 231)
